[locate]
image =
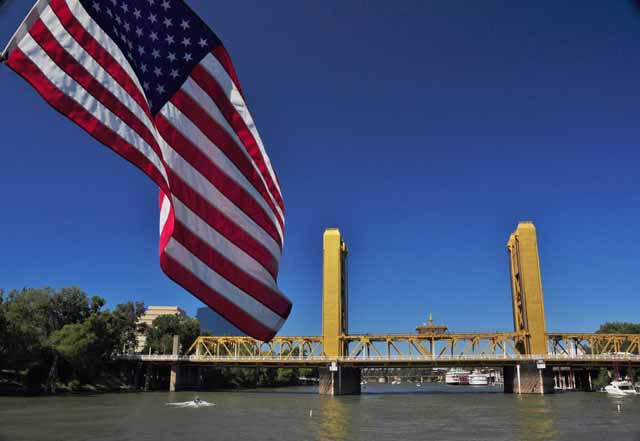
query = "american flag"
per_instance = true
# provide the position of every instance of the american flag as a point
(151, 81)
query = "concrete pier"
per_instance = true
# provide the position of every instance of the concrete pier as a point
(526, 378)
(175, 368)
(343, 381)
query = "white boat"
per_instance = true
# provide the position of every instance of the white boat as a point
(620, 387)
(478, 379)
(195, 403)
(457, 376)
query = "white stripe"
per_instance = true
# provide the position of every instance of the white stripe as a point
(223, 287)
(189, 130)
(165, 208)
(52, 22)
(223, 245)
(208, 191)
(203, 99)
(93, 29)
(69, 87)
(217, 71)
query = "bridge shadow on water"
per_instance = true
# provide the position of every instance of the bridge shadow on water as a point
(382, 389)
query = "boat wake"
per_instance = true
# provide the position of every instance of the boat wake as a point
(193, 403)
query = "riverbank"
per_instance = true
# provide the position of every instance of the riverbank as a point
(19, 383)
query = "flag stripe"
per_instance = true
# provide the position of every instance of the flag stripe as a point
(66, 84)
(103, 77)
(242, 122)
(219, 242)
(224, 59)
(231, 292)
(237, 316)
(26, 68)
(223, 98)
(234, 124)
(216, 176)
(200, 185)
(212, 129)
(218, 221)
(229, 271)
(96, 43)
(78, 72)
(190, 131)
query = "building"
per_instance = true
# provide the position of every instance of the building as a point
(146, 319)
(213, 323)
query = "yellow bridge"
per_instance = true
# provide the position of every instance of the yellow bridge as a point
(527, 354)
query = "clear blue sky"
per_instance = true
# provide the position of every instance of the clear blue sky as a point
(424, 130)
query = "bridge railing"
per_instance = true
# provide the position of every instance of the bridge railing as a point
(479, 358)
(444, 346)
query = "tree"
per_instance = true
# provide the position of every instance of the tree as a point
(124, 321)
(160, 334)
(71, 305)
(619, 328)
(28, 323)
(85, 346)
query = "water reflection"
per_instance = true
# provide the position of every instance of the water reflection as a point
(333, 420)
(536, 417)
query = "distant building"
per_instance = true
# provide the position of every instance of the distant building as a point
(145, 320)
(215, 324)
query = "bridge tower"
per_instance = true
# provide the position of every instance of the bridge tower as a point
(336, 379)
(528, 314)
(526, 289)
(334, 293)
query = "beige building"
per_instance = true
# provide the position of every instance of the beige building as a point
(150, 314)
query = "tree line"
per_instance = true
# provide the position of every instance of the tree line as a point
(65, 336)
(65, 339)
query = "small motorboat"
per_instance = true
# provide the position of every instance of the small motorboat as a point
(620, 388)
(196, 402)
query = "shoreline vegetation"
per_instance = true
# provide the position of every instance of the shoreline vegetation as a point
(64, 342)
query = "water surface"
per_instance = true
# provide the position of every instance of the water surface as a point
(383, 412)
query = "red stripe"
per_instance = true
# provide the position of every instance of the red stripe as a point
(214, 300)
(230, 271)
(75, 70)
(101, 55)
(217, 176)
(213, 89)
(22, 65)
(219, 96)
(167, 230)
(219, 136)
(222, 224)
(220, 52)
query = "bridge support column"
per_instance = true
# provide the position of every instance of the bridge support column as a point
(173, 378)
(175, 368)
(526, 378)
(344, 381)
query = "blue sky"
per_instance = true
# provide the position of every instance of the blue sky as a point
(425, 131)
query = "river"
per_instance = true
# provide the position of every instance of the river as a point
(383, 412)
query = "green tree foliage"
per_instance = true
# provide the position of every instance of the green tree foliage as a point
(85, 346)
(619, 328)
(124, 318)
(160, 334)
(64, 334)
